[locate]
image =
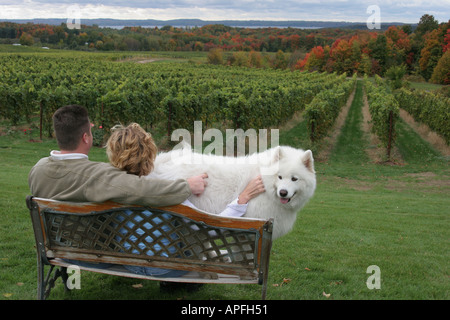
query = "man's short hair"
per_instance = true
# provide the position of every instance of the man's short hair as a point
(70, 123)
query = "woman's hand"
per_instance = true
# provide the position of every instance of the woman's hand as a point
(254, 188)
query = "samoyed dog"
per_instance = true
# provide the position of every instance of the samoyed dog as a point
(287, 173)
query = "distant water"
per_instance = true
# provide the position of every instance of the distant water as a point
(185, 27)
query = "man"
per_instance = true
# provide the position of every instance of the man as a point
(68, 174)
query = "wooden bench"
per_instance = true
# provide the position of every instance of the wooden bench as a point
(211, 249)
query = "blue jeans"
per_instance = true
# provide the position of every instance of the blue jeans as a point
(147, 247)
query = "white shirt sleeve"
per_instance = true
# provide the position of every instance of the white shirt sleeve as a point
(233, 209)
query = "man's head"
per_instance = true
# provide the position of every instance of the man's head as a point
(72, 128)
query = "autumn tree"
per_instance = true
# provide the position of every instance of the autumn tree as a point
(441, 74)
(379, 51)
(341, 53)
(240, 59)
(399, 46)
(280, 61)
(255, 59)
(426, 24)
(26, 39)
(215, 56)
(446, 44)
(395, 76)
(301, 63)
(365, 67)
(356, 54)
(430, 54)
(314, 60)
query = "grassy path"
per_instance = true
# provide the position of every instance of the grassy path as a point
(351, 143)
(413, 148)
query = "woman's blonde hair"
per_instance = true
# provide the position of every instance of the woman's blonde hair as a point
(131, 149)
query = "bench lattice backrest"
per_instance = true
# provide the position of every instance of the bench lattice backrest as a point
(176, 237)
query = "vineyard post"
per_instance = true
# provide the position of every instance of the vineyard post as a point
(312, 135)
(40, 120)
(390, 135)
(169, 119)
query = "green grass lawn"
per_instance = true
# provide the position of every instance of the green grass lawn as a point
(393, 216)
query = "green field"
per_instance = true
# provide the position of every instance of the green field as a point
(393, 216)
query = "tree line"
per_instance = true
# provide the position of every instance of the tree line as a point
(422, 50)
(169, 38)
(423, 53)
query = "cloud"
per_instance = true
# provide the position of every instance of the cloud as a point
(330, 10)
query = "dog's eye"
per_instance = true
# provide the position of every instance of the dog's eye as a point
(294, 179)
(280, 177)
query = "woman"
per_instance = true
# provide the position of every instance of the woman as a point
(133, 150)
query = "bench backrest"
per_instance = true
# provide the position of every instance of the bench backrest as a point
(175, 237)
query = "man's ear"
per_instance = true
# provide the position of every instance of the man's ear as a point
(85, 138)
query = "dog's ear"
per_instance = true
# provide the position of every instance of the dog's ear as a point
(276, 154)
(308, 160)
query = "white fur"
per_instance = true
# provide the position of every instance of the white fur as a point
(227, 178)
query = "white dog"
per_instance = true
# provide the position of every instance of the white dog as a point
(287, 173)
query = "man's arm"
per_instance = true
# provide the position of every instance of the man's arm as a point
(121, 187)
(84, 180)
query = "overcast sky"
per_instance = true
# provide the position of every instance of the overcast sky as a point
(408, 11)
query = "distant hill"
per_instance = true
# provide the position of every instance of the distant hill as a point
(199, 23)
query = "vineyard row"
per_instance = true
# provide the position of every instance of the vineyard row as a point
(384, 110)
(170, 93)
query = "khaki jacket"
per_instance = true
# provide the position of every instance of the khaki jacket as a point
(82, 180)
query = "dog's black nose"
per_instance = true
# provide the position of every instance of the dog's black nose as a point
(283, 193)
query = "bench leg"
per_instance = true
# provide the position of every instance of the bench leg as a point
(47, 284)
(264, 268)
(64, 278)
(264, 290)
(40, 280)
